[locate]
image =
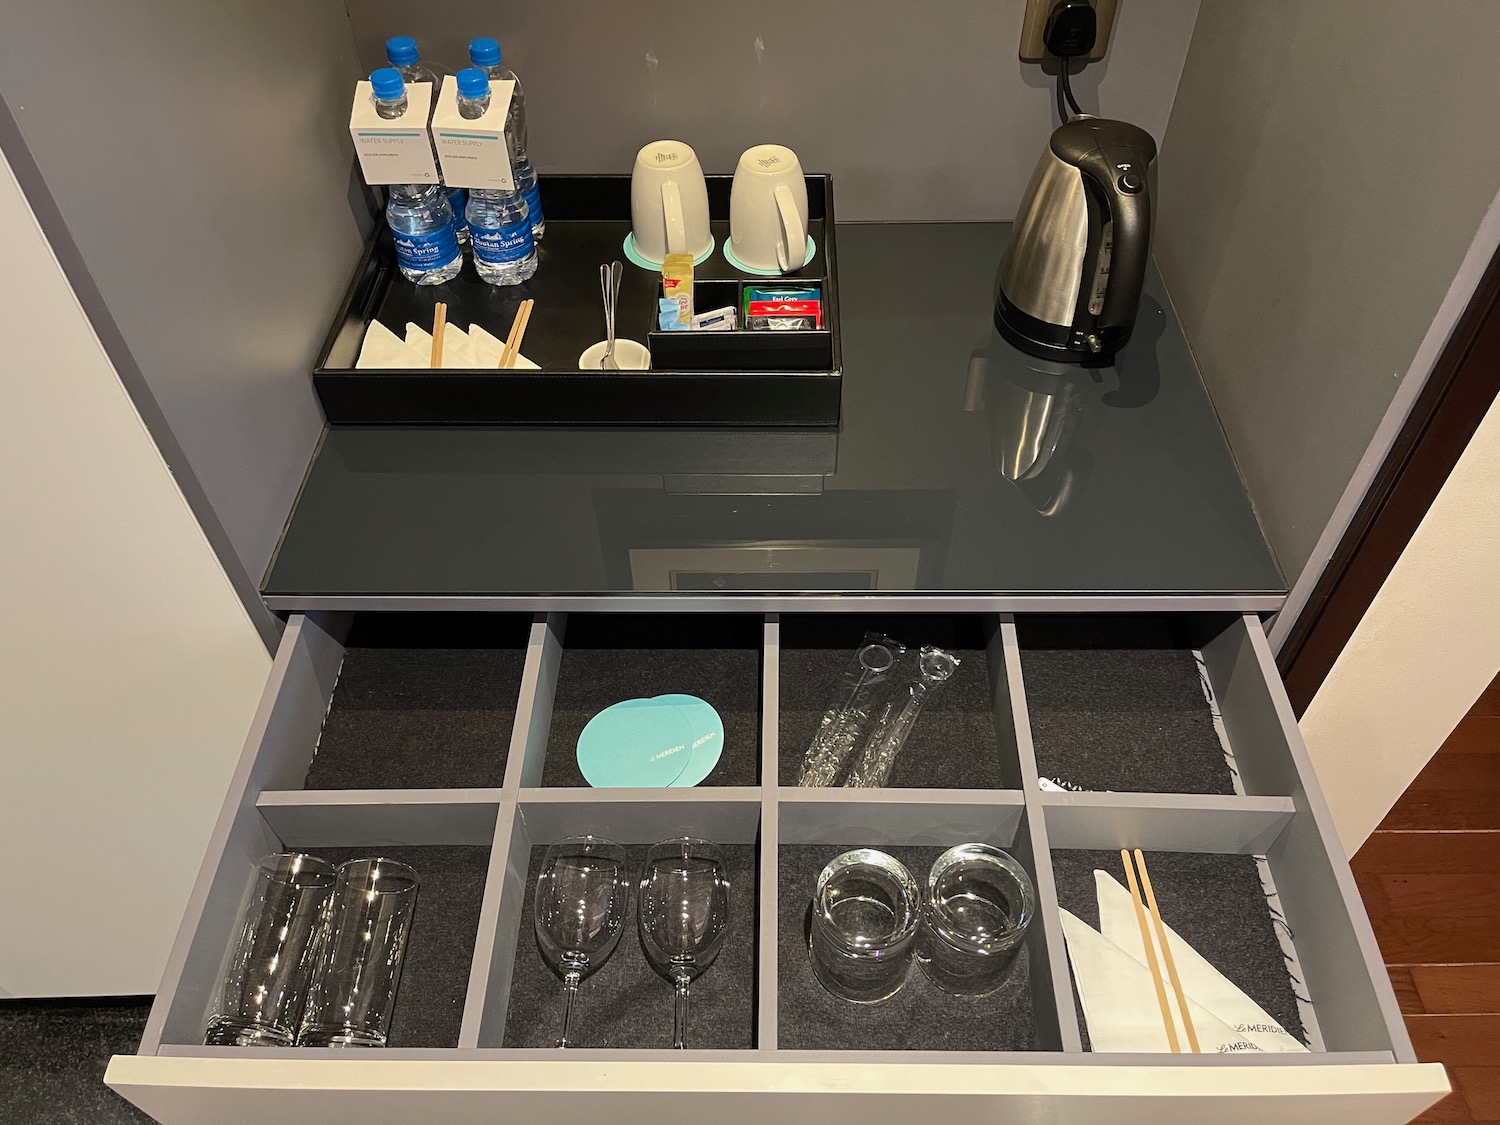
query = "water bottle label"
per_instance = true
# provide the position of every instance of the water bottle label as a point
(498, 245)
(534, 202)
(426, 251)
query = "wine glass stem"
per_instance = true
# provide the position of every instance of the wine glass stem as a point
(680, 1016)
(570, 993)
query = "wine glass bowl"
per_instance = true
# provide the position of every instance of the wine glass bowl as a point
(581, 898)
(683, 914)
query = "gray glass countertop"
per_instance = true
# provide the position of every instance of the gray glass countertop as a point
(961, 467)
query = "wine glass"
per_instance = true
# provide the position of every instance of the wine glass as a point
(581, 898)
(683, 911)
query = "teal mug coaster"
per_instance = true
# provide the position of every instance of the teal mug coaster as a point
(812, 248)
(637, 260)
(708, 737)
(637, 744)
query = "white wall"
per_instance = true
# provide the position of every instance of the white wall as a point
(129, 669)
(1421, 656)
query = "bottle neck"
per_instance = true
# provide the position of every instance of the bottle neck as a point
(392, 109)
(471, 109)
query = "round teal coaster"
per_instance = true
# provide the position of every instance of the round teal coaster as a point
(636, 260)
(708, 737)
(812, 248)
(638, 744)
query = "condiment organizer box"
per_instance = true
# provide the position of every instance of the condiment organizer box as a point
(740, 378)
(447, 741)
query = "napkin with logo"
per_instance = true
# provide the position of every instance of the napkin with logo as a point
(1119, 996)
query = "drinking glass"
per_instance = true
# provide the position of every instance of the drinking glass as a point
(864, 926)
(366, 926)
(683, 914)
(266, 971)
(978, 904)
(581, 897)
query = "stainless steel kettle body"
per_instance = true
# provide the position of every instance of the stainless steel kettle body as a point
(1070, 282)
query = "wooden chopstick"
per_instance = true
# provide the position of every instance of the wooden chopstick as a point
(1161, 990)
(439, 323)
(512, 349)
(1166, 954)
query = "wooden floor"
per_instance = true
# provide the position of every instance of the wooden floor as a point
(1430, 876)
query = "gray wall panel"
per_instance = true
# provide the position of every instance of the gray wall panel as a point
(1316, 203)
(200, 159)
(921, 111)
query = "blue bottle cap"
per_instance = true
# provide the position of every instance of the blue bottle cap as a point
(473, 82)
(401, 50)
(484, 51)
(388, 84)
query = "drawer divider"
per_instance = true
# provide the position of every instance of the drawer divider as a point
(769, 880)
(1052, 987)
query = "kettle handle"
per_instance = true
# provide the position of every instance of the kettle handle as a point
(1119, 177)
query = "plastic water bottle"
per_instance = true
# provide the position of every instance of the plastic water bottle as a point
(402, 53)
(420, 219)
(485, 54)
(499, 220)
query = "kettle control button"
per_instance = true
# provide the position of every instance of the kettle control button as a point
(1130, 182)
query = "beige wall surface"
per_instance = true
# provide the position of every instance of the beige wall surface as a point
(1324, 172)
(129, 669)
(1424, 652)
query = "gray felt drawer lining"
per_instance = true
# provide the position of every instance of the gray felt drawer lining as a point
(1068, 690)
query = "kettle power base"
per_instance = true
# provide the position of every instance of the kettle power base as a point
(1051, 341)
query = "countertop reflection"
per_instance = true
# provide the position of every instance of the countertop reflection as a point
(961, 466)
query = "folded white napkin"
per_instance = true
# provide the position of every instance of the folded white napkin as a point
(1120, 1004)
(421, 339)
(1200, 980)
(1119, 996)
(475, 348)
(488, 348)
(383, 348)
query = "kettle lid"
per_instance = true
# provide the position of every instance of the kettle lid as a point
(1074, 141)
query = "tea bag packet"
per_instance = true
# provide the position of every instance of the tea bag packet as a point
(784, 308)
(1202, 983)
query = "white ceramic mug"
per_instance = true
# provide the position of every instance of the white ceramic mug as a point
(669, 202)
(768, 210)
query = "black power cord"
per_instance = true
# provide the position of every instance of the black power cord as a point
(1066, 87)
(1072, 26)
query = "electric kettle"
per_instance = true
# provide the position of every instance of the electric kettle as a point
(1070, 282)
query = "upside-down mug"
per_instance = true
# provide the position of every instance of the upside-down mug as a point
(768, 210)
(669, 202)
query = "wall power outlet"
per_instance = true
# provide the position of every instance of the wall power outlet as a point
(1032, 47)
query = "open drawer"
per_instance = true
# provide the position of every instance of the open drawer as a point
(450, 739)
